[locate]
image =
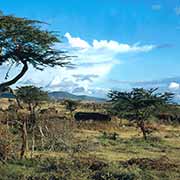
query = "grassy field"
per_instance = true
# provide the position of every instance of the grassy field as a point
(96, 151)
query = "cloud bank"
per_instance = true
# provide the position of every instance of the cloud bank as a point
(92, 63)
(111, 45)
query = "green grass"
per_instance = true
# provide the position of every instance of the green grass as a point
(95, 155)
(113, 152)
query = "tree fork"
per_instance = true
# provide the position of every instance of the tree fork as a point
(5, 85)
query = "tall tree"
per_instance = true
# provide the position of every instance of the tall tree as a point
(23, 43)
(138, 105)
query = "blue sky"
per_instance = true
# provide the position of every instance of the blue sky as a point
(120, 44)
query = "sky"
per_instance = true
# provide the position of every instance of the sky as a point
(118, 44)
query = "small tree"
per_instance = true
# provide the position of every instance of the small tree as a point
(71, 105)
(32, 96)
(138, 105)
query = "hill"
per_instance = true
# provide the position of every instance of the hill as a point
(65, 95)
(62, 95)
(7, 95)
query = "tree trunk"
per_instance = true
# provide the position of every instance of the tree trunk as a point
(4, 85)
(32, 120)
(24, 138)
(33, 142)
(141, 125)
(42, 136)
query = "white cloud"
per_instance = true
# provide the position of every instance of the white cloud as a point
(95, 60)
(174, 86)
(76, 41)
(107, 45)
(120, 48)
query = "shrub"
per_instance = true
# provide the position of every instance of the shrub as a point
(6, 141)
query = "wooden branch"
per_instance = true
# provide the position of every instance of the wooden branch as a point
(4, 85)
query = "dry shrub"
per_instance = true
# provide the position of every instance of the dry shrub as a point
(58, 134)
(6, 143)
(3, 117)
(154, 126)
(92, 163)
(97, 125)
(161, 164)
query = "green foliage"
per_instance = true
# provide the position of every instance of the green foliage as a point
(111, 136)
(138, 104)
(90, 169)
(71, 105)
(24, 42)
(31, 95)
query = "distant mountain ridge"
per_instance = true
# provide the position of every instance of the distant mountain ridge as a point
(7, 95)
(58, 95)
(65, 95)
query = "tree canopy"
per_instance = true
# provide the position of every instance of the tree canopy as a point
(23, 42)
(138, 104)
(31, 95)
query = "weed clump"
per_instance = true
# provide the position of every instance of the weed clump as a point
(161, 164)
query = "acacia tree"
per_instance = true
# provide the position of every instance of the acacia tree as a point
(138, 105)
(23, 43)
(71, 105)
(33, 97)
